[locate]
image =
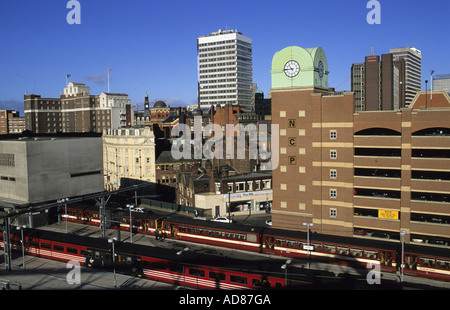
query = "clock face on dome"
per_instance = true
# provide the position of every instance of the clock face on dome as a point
(291, 68)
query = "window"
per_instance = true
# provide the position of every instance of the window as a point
(333, 134)
(333, 174)
(196, 272)
(333, 193)
(217, 276)
(281, 242)
(58, 248)
(291, 243)
(333, 212)
(238, 279)
(333, 154)
(72, 250)
(46, 246)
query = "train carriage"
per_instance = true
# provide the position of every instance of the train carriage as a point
(331, 249)
(425, 261)
(198, 270)
(229, 235)
(143, 222)
(81, 213)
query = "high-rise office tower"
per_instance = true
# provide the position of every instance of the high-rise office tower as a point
(413, 70)
(441, 82)
(379, 83)
(224, 69)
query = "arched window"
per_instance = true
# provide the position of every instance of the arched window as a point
(377, 132)
(435, 131)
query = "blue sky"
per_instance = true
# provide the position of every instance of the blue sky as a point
(151, 45)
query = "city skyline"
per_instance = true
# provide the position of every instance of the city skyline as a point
(151, 47)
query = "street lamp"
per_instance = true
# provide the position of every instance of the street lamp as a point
(431, 86)
(64, 200)
(21, 228)
(308, 248)
(131, 222)
(184, 275)
(112, 241)
(402, 234)
(285, 268)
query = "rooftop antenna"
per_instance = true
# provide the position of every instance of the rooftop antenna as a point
(372, 50)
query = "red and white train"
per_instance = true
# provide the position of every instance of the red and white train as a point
(190, 269)
(423, 261)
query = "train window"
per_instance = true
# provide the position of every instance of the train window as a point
(238, 279)
(129, 260)
(229, 235)
(85, 253)
(158, 266)
(196, 272)
(191, 230)
(58, 248)
(291, 243)
(251, 238)
(176, 268)
(356, 252)
(33, 244)
(240, 236)
(371, 254)
(210, 232)
(317, 247)
(72, 250)
(200, 231)
(444, 264)
(220, 234)
(46, 246)
(97, 254)
(182, 229)
(281, 242)
(329, 248)
(260, 283)
(217, 276)
(427, 261)
(342, 250)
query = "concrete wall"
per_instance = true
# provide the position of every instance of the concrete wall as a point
(13, 178)
(47, 169)
(64, 168)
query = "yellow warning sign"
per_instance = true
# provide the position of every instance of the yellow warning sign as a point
(387, 214)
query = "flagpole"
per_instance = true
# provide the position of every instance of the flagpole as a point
(108, 78)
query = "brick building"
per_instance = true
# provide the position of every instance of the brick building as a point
(77, 111)
(366, 174)
(11, 122)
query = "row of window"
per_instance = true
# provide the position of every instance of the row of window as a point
(218, 233)
(213, 275)
(318, 247)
